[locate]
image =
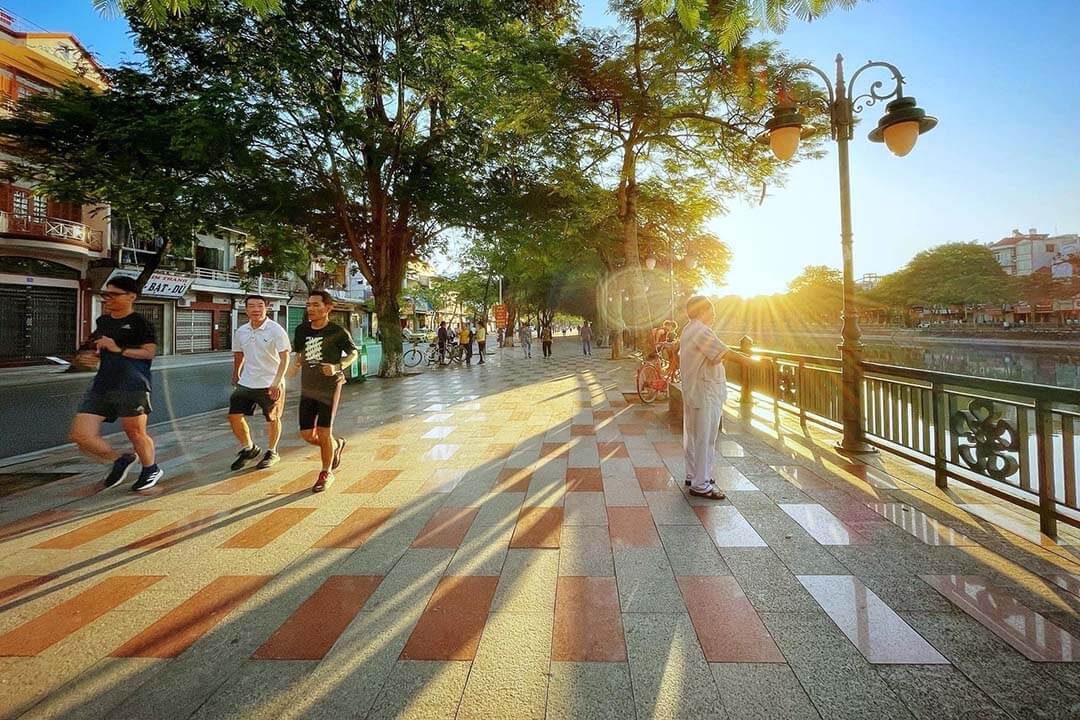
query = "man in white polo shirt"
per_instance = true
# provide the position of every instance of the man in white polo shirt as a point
(261, 350)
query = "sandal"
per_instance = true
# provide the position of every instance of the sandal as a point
(713, 493)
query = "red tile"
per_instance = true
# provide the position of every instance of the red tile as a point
(588, 624)
(513, 480)
(632, 429)
(34, 522)
(538, 528)
(54, 625)
(871, 625)
(610, 450)
(446, 529)
(14, 586)
(179, 531)
(238, 482)
(386, 452)
(997, 609)
(584, 480)
(312, 630)
(582, 430)
(653, 479)
(554, 451)
(374, 481)
(190, 620)
(301, 484)
(94, 530)
(451, 624)
(726, 623)
(268, 528)
(355, 529)
(632, 527)
(599, 415)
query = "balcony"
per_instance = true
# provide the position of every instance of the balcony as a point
(51, 229)
(210, 278)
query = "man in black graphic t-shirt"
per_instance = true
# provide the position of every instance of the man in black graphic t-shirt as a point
(125, 343)
(323, 349)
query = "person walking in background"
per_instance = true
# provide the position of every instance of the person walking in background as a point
(442, 337)
(260, 358)
(481, 340)
(464, 339)
(323, 348)
(545, 339)
(586, 339)
(525, 338)
(704, 386)
(125, 344)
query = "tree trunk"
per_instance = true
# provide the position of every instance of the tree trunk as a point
(389, 312)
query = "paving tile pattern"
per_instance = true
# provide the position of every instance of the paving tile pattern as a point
(515, 540)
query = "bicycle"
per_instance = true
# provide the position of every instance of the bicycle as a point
(412, 356)
(652, 378)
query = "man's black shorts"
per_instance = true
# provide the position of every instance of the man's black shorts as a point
(244, 400)
(318, 410)
(112, 404)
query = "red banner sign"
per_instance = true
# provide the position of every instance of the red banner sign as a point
(500, 315)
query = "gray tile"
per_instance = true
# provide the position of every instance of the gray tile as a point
(762, 691)
(258, 690)
(767, 582)
(584, 508)
(421, 690)
(934, 692)
(646, 582)
(593, 690)
(670, 676)
(669, 508)
(585, 550)
(691, 551)
(839, 681)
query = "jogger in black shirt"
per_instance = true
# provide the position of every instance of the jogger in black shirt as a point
(323, 349)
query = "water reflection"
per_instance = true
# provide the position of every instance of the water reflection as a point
(1059, 366)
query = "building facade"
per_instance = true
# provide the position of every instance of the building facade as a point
(1022, 254)
(46, 246)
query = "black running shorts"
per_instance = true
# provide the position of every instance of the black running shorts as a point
(112, 404)
(318, 410)
(244, 400)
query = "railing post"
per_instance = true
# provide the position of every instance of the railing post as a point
(746, 392)
(1044, 444)
(940, 416)
(799, 392)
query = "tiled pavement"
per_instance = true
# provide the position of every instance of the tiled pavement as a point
(514, 541)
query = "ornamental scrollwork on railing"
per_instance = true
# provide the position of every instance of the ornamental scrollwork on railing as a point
(984, 437)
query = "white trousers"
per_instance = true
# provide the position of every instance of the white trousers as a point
(700, 428)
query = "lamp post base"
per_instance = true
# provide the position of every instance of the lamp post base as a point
(858, 447)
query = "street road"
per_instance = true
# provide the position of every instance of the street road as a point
(38, 415)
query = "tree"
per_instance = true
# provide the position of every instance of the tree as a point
(951, 274)
(675, 92)
(384, 122)
(164, 160)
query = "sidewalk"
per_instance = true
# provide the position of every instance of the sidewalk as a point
(514, 540)
(35, 374)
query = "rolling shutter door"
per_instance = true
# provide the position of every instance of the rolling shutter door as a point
(194, 330)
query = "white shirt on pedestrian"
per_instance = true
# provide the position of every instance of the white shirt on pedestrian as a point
(261, 347)
(703, 379)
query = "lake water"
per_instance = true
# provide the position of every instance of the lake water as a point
(1058, 366)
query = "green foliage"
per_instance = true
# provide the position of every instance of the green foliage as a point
(951, 274)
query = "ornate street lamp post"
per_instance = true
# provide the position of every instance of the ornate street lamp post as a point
(899, 128)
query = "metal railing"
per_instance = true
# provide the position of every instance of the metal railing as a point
(1015, 440)
(67, 231)
(277, 286)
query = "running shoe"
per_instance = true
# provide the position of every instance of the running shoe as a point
(270, 458)
(244, 456)
(326, 479)
(338, 449)
(148, 478)
(120, 468)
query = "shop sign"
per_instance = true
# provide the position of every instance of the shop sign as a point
(161, 284)
(500, 315)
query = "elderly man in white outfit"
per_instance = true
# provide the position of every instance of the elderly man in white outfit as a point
(704, 389)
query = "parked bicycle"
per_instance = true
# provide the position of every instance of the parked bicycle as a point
(655, 373)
